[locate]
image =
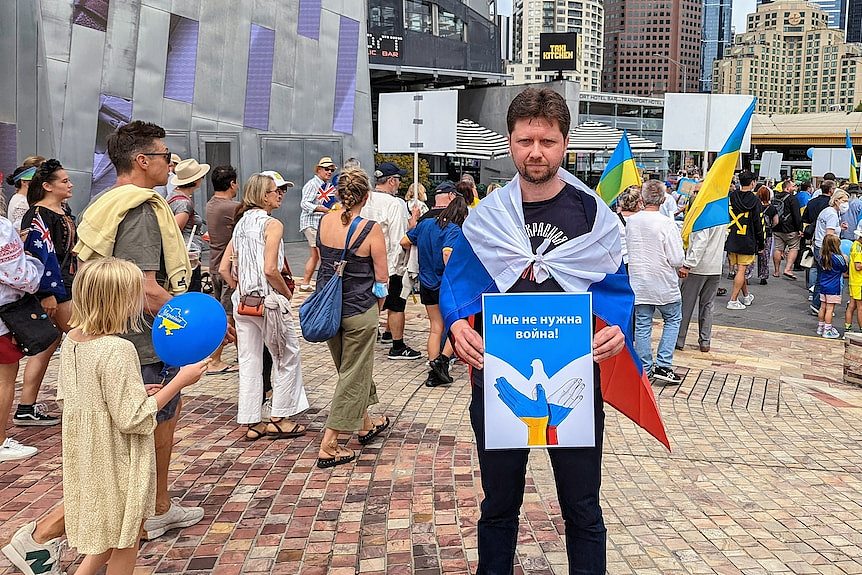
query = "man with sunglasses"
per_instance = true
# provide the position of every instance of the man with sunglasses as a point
(312, 211)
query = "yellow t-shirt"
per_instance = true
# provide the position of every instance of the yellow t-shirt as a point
(855, 256)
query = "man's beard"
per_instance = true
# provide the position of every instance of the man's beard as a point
(548, 173)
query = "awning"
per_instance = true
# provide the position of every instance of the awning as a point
(475, 141)
(598, 137)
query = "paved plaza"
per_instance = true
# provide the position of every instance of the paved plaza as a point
(765, 475)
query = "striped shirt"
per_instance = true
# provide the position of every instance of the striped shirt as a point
(308, 218)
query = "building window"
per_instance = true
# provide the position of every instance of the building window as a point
(417, 16)
(449, 26)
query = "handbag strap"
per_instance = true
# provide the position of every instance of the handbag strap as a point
(350, 231)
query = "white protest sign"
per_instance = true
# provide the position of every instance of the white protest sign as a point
(702, 121)
(417, 122)
(835, 160)
(770, 165)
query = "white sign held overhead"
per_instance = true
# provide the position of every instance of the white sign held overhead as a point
(702, 122)
(417, 122)
(835, 160)
(770, 165)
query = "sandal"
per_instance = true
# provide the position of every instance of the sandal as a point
(788, 276)
(340, 457)
(374, 432)
(254, 432)
(296, 431)
(775, 275)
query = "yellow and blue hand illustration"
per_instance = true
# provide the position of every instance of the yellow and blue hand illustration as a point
(542, 414)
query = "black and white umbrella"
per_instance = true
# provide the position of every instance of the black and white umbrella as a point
(598, 137)
(475, 141)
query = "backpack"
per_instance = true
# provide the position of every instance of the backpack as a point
(783, 211)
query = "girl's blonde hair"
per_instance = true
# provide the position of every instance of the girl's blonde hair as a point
(353, 188)
(411, 192)
(831, 246)
(108, 297)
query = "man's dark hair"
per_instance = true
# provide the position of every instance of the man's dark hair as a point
(805, 186)
(745, 178)
(829, 176)
(539, 103)
(222, 177)
(128, 141)
(827, 187)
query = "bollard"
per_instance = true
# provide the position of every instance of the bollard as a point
(853, 359)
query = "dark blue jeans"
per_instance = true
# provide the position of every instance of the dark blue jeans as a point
(578, 475)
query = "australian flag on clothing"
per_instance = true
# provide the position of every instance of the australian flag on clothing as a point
(39, 244)
(494, 251)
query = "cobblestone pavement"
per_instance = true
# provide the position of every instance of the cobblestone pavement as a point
(765, 476)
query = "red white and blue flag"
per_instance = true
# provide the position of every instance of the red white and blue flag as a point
(494, 251)
(39, 244)
(326, 196)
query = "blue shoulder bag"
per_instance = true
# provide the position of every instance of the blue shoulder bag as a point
(320, 314)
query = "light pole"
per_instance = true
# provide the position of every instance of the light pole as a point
(680, 68)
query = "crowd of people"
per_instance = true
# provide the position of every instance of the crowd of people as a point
(103, 277)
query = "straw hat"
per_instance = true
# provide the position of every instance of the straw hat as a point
(175, 159)
(189, 171)
(325, 162)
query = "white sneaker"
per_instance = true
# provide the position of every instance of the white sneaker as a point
(747, 299)
(733, 304)
(831, 333)
(30, 557)
(819, 330)
(176, 517)
(12, 450)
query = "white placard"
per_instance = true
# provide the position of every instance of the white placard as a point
(435, 133)
(770, 165)
(702, 121)
(835, 160)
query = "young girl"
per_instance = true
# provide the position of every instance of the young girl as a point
(834, 265)
(109, 460)
(855, 284)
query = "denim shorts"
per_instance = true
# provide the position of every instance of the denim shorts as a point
(159, 373)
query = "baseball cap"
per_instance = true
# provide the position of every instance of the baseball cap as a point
(387, 169)
(445, 187)
(276, 177)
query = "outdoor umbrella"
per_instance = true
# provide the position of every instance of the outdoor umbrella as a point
(475, 141)
(598, 137)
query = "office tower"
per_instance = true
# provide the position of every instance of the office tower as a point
(717, 37)
(792, 62)
(532, 17)
(652, 47)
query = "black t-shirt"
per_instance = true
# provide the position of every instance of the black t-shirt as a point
(569, 214)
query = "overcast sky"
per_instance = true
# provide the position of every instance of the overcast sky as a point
(741, 9)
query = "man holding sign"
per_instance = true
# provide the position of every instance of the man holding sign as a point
(543, 233)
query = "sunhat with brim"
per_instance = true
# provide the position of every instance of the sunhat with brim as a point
(189, 171)
(326, 162)
(175, 159)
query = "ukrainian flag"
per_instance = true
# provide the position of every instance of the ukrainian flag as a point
(711, 207)
(854, 167)
(620, 173)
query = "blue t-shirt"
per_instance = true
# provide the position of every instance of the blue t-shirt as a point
(830, 280)
(803, 198)
(430, 240)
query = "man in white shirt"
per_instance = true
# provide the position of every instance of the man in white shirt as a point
(701, 272)
(391, 213)
(655, 254)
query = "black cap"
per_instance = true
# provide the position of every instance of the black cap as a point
(387, 169)
(445, 187)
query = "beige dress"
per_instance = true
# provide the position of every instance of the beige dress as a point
(109, 457)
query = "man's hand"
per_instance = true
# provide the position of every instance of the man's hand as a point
(682, 272)
(468, 343)
(49, 304)
(608, 342)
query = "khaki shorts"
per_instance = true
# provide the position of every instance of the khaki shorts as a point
(310, 236)
(785, 241)
(740, 259)
(836, 299)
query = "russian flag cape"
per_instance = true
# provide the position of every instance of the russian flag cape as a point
(494, 251)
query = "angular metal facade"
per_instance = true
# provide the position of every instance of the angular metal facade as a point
(69, 75)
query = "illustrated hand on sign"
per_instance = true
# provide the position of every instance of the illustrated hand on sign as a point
(535, 413)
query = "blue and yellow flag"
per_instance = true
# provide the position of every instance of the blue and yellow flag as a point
(710, 207)
(854, 167)
(620, 173)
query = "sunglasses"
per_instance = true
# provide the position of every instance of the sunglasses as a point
(166, 155)
(330, 169)
(278, 191)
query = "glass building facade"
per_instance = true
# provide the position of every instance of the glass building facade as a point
(716, 38)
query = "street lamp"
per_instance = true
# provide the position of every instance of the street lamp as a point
(680, 67)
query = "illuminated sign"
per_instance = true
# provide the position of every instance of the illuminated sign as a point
(385, 47)
(558, 51)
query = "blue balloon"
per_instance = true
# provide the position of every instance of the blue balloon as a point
(188, 329)
(845, 246)
(810, 153)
